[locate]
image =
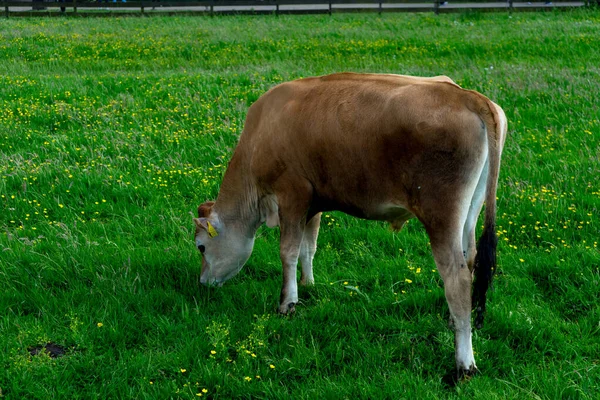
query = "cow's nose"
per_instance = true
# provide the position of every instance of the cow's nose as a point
(207, 281)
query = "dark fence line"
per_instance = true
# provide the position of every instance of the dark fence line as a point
(100, 7)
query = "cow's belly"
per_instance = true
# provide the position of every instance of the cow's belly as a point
(395, 214)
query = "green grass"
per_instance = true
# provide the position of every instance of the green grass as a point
(113, 130)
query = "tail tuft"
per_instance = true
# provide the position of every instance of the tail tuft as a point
(485, 266)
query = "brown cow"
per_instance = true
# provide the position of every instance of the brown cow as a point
(381, 147)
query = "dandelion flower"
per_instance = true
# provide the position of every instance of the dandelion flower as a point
(247, 379)
(213, 352)
(100, 324)
(272, 366)
(183, 370)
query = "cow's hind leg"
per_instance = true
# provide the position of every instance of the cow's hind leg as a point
(308, 249)
(452, 266)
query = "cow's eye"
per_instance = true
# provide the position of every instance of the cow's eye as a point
(201, 248)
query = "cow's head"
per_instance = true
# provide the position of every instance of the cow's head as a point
(224, 248)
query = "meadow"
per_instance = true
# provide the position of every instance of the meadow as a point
(113, 130)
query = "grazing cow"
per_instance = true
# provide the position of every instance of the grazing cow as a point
(380, 147)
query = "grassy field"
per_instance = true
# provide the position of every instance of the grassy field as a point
(113, 130)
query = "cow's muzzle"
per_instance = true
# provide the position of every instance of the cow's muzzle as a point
(206, 281)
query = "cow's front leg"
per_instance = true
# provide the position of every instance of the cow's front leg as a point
(308, 249)
(294, 196)
(291, 242)
(290, 249)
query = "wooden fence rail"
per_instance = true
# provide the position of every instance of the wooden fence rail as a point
(109, 7)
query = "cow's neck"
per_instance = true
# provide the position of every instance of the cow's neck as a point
(237, 202)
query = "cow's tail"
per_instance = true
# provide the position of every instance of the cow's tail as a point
(485, 260)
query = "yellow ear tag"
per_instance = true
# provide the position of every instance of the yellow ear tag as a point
(212, 232)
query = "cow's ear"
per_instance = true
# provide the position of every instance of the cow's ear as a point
(207, 226)
(204, 209)
(200, 223)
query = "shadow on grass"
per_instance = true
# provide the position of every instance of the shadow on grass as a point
(52, 349)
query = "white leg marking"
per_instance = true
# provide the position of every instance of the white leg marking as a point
(308, 249)
(464, 346)
(289, 292)
(306, 259)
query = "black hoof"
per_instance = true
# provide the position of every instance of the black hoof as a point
(454, 377)
(288, 310)
(291, 308)
(466, 374)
